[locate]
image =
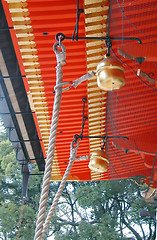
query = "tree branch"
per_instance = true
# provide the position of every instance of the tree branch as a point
(131, 229)
(138, 237)
(150, 231)
(144, 237)
(68, 222)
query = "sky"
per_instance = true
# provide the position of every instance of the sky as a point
(1, 127)
(51, 238)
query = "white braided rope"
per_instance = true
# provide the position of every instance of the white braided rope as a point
(73, 157)
(73, 151)
(42, 227)
(52, 140)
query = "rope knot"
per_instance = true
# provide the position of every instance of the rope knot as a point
(60, 55)
(73, 152)
(73, 149)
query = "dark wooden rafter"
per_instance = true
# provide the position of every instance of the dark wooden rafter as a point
(11, 62)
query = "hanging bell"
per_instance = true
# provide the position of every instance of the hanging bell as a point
(99, 161)
(110, 74)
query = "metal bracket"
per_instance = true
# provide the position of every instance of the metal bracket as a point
(75, 33)
(22, 141)
(84, 118)
(12, 77)
(6, 28)
(26, 160)
(1, 98)
(97, 38)
(61, 36)
(16, 113)
(76, 136)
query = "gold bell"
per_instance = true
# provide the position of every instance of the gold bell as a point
(110, 74)
(99, 161)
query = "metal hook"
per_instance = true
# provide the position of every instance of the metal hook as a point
(59, 40)
(104, 143)
(108, 45)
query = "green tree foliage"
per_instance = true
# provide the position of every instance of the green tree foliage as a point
(11, 196)
(103, 210)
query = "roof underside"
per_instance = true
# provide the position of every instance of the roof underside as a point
(130, 111)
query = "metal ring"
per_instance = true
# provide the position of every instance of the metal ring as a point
(84, 100)
(62, 37)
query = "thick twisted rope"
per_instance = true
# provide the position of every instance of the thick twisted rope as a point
(42, 227)
(73, 151)
(52, 140)
(73, 157)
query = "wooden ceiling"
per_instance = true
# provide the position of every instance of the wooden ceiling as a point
(130, 111)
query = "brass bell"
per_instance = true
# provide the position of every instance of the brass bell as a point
(110, 74)
(99, 161)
